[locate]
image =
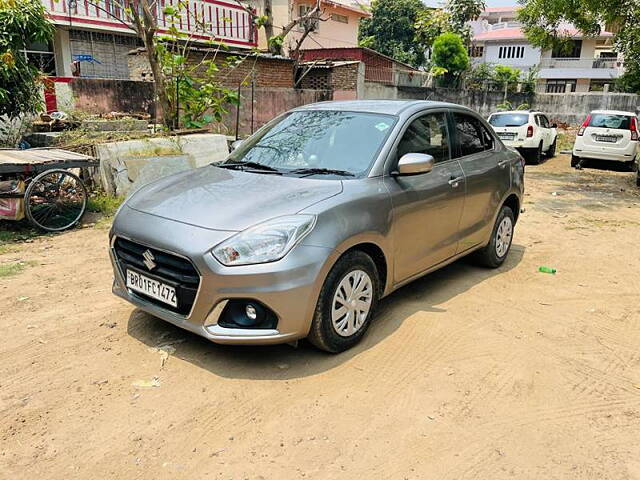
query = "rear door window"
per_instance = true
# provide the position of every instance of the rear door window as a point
(509, 119)
(472, 136)
(616, 122)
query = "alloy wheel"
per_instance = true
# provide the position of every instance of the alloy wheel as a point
(352, 303)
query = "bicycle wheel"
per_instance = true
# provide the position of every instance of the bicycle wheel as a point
(55, 200)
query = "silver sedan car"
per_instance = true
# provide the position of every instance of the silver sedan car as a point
(310, 222)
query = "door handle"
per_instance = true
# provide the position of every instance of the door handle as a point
(504, 163)
(455, 182)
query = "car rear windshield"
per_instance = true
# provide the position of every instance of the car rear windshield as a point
(604, 120)
(318, 139)
(509, 119)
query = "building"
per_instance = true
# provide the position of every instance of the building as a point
(590, 65)
(92, 38)
(338, 28)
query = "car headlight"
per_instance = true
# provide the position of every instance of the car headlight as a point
(268, 242)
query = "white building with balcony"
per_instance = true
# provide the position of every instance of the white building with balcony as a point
(92, 37)
(590, 64)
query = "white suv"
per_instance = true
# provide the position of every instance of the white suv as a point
(608, 135)
(530, 132)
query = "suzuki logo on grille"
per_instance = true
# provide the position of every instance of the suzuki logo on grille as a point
(149, 260)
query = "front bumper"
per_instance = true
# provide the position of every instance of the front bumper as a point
(289, 287)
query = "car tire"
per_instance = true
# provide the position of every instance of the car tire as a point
(536, 155)
(552, 149)
(632, 166)
(498, 248)
(574, 161)
(327, 332)
(638, 179)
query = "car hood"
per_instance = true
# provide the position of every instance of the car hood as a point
(231, 200)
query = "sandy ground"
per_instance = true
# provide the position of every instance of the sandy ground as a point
(466, 374)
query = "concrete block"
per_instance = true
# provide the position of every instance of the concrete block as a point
(127, 166)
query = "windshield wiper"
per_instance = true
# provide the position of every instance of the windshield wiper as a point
(250, 165)
(321, 171)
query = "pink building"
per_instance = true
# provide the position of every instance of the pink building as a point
(92, 37)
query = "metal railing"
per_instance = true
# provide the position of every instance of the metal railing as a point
(210, 19)
(581, 63)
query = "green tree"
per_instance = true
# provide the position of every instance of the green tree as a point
(543, 23)
(453, 18)
(22, 22)
(506, 77)
(450, 53)
(391, 30)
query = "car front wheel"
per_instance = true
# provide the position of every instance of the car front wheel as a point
(346, 304)
(497, 250)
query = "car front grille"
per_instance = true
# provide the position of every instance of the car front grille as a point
(171, 269)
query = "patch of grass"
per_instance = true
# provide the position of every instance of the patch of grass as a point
(105, 204)
(11, 269)
(566, 139)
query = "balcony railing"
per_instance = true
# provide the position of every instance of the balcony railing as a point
(201, 19)
(503, 25)
(611, 63)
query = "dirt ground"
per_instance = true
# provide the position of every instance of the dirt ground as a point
(466, 374)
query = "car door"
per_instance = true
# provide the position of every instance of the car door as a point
(426, 207)
(487, 174)
(545, 132)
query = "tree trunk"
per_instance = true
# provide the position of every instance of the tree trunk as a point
(268, 12)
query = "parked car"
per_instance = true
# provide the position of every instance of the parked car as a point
(315, 218)
(530, 132)
(608, 135)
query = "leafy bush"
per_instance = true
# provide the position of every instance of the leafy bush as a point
(22, 22)
(449, 53)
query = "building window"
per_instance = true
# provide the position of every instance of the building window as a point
(312, 24)
(101, 54)
(571, 50)
(560, 85)
(336, 17)
(598, 85)
(511, 52)
(476, 51)
(41, 56)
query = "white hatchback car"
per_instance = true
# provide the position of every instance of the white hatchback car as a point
(530, 132)
(608, 135)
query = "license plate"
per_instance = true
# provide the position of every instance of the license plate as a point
(507, 136)
(608, 139)
(152, 288)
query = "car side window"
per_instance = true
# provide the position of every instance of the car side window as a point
(546, 122)
(473, 137)
(428, 135)
(538, 121)
(543, 121)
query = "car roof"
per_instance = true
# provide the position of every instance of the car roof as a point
(388, 107)
(615, 112)
(518, 111)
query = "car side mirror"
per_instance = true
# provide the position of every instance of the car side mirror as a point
(554, 125)
(415, 164)
(235, 145)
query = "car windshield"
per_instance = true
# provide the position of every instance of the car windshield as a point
(317, 142)
(604, 120)
(509, 119)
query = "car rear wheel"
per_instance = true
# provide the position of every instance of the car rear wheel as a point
(497, 250)
(347, 302)
(552, 149)
(536, 155)
(574, 161)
